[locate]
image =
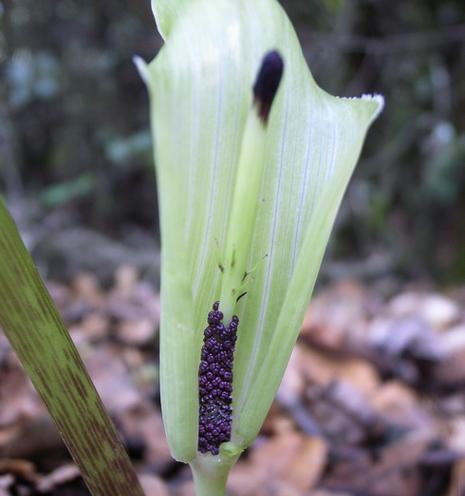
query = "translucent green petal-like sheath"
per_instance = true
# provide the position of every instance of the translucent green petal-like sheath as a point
(200, 86)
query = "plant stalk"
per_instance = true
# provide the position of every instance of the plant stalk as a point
(39, 337)
(211, 474)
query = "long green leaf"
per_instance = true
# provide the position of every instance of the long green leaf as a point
(38, 335)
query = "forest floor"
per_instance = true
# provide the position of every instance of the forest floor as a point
(372, 403)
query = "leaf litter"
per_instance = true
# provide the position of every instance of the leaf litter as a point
(372, 402)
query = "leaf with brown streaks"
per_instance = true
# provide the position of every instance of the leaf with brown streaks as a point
(37, 334)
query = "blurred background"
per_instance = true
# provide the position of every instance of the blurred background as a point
(373, 400)
(75, 145)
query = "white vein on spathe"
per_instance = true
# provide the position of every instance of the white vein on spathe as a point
(168, 365)
(305, 184)
(213, 184)
(233, 36)
(194, 144)
(329, 110)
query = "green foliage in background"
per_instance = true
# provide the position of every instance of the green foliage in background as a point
(71, 103)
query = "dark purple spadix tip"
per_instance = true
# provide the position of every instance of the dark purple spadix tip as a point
(267, 83)
(215, 382)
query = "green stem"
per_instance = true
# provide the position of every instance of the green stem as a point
(39, 337)
(211, 474)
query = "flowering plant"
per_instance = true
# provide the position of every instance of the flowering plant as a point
(252, 161)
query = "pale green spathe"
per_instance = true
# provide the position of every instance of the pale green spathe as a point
(201, 92)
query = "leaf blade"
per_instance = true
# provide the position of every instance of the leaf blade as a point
(38, 335)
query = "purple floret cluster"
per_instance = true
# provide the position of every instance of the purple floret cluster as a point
(215, 381)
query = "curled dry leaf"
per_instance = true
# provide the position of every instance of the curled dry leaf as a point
(339, 314)
(57, 477)
(22, 468)
(296, 460)
(136, 332)
(6, 481)
(144, 422)
(437, 310)
(153, 485)
(320, 368)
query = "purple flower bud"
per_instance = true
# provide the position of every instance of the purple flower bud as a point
(215, 378)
